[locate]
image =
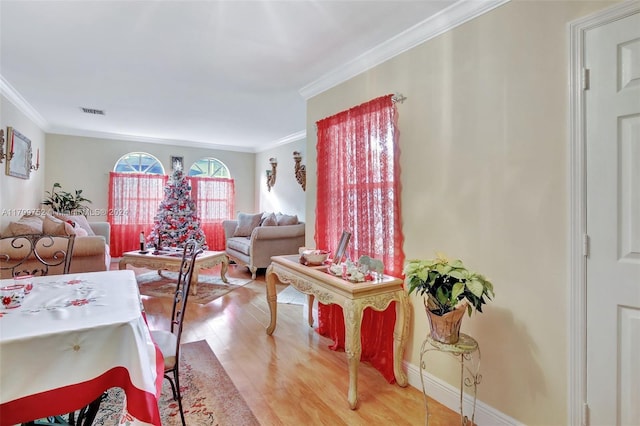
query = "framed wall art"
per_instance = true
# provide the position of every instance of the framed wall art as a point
(19, 149)
(177, 163)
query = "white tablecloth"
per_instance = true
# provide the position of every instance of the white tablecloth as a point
(75, 336)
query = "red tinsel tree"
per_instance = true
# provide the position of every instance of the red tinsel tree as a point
(176, 220)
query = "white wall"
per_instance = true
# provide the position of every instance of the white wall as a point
(484, 176)
(20, 195)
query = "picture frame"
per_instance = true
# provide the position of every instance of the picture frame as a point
(177, 162)
(19, 148)
(342, 247)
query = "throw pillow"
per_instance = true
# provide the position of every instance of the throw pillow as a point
(54, 226)
(285, 219)
(270, 220)
(26, 225)
(246, 224)
(78, 219)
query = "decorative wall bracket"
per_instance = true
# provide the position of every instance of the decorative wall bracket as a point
(271, 174)
(2, 154)
(300, 170)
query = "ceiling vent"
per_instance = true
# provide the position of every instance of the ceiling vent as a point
(92, 111)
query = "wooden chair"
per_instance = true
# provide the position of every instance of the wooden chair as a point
(169, 340)
(36, 254)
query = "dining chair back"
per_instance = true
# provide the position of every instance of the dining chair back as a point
(169, 340)
(36, 254)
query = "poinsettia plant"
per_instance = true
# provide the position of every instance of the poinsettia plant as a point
(446, 284)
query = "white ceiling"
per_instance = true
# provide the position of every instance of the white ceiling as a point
(225, 74)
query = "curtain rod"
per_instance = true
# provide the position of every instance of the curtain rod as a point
(398, 97)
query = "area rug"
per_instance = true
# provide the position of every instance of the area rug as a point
(292, 296)
(210, 287)
(209, 397)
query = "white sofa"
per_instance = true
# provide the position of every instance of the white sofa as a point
(253, 245)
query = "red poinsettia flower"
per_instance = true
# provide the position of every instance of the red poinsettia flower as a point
(6, 300)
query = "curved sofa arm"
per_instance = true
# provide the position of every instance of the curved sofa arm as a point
(278, 232)
(102, 228)
(229, 227)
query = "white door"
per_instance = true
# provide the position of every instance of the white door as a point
(612, 56)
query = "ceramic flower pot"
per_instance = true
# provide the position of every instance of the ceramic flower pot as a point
(446, 328)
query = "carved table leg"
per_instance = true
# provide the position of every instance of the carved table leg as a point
(310, 298)
(223, 269)
(353, 347)
(272, 299)
(400, 333)
(194, 280)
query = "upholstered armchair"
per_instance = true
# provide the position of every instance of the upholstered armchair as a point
(253, 239)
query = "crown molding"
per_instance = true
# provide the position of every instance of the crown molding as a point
(451, 17)
(146, 139)
(294, 137)
(21, 103)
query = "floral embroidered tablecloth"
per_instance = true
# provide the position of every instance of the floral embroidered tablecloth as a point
(75, 336)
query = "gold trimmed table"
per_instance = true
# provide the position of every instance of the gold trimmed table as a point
(170, 260)
(316, 282)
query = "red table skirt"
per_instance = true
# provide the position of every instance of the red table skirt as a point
(376, 334)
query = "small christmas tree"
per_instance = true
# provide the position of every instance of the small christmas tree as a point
(176, 220)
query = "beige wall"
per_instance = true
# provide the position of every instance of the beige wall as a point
(484, 175)
(287, 195)
(20, 195)
(84, 163)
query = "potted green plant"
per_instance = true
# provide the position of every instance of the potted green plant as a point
(65, 202)
(448, 289)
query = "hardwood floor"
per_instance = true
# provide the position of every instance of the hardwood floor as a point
(291, 378)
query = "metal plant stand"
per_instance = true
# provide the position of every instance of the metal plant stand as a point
(464, 351)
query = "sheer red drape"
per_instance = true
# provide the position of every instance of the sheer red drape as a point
(133, 202)
(215, 202)
(358, 191)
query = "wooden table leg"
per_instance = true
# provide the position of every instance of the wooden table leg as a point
(310, 298)
(400, 333)
(194, 280)
(224, 268)
(353, 347)
(272, 299)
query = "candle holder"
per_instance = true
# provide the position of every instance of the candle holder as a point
(35, 166)
(271, 174)
(8, 155)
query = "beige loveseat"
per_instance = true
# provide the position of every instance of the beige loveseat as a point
(252, 239)
(90, 249)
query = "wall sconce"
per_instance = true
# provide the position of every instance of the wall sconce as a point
(271, 174)
(300, 170)
(8, 155)
(36, 166)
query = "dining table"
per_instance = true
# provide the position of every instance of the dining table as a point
(74, 337)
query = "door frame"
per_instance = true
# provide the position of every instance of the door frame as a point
(578, 243)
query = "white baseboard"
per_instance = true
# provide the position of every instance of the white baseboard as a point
(449, 396)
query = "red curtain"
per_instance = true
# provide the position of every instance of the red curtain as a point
(358, 191)
(214, 198)
(133, 202)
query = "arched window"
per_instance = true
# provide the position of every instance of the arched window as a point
(214, 193)
(139, 162)
(210, 167)
(136, 188)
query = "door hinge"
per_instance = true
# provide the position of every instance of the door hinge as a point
(585, 414)
(585, 245)
(585, 78)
